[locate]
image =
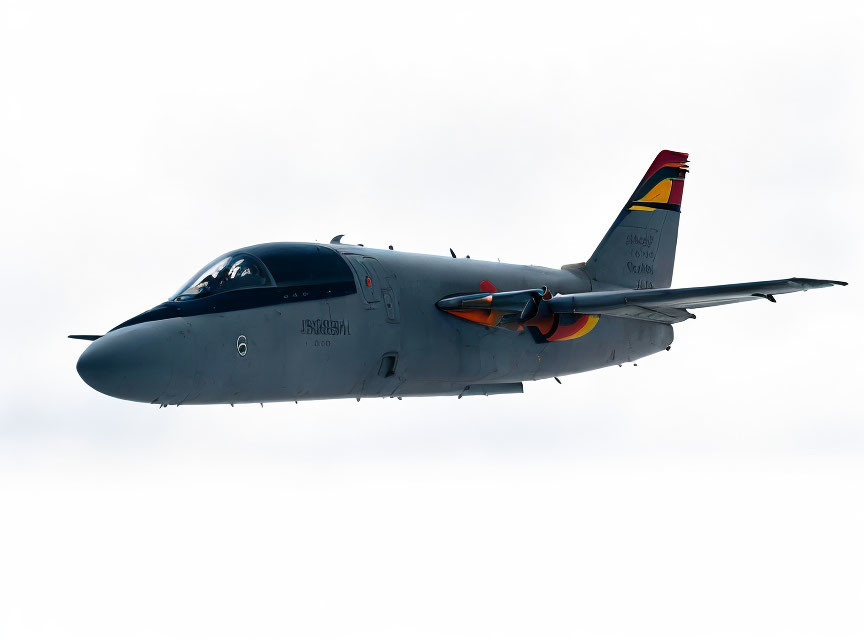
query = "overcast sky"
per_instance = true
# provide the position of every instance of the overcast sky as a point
(712, 491)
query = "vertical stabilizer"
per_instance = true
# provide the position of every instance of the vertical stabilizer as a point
(638, 251)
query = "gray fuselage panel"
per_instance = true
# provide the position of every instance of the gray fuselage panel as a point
(387, 339)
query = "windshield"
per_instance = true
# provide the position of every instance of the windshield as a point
(226, 273)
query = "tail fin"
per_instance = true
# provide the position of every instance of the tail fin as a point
(638, 251)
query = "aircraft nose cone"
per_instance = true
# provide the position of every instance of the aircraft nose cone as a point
(133, 363)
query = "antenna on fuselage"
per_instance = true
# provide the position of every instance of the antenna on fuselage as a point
(337, 239)
(452, 253)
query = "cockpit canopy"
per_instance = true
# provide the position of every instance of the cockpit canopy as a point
(315, 270)
(225, 273)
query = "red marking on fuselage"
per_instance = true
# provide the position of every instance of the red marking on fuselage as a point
(543, 324)
(488, 287)
(565, 331)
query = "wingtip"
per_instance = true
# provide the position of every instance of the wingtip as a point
(818, 283)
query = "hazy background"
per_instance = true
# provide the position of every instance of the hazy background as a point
(714, 491)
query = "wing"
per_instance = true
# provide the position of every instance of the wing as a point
(672, 305)
(517, 309)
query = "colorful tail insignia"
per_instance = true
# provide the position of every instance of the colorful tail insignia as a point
(663, 184)
(638, 250)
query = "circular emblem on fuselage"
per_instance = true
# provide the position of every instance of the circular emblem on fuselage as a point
(241, 345)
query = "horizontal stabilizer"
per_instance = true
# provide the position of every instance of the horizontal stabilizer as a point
(84, 337)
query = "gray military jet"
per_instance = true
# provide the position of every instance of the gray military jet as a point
(300, 321)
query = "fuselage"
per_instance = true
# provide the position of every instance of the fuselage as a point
(312, 329)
